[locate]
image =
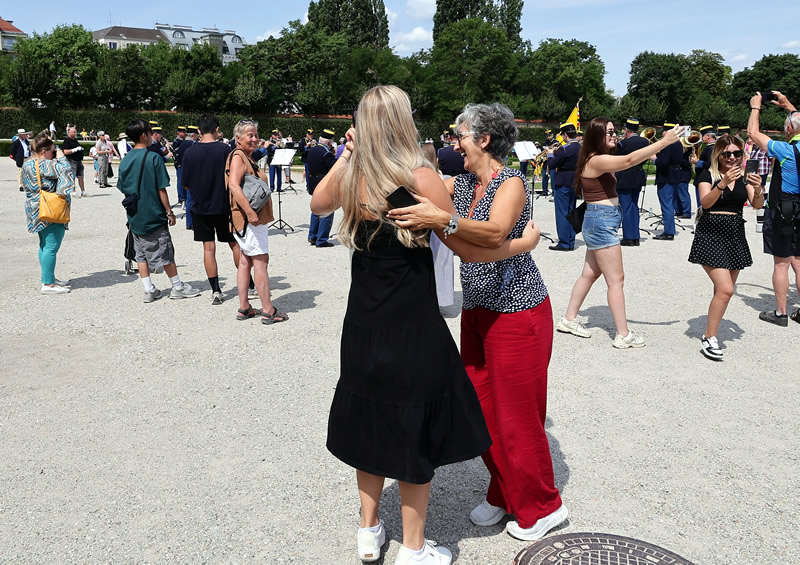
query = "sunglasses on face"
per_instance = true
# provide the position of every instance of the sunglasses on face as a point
(729, 154)
(611, 133)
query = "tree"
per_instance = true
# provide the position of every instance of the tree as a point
(58, 69)
(364, 22)
(509, 14)
(771, 72)
(471, 62)
(657, 78)
(449, 12)
(569, 69)
(708, 72)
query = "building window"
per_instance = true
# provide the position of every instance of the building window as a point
(178, 35)
(8, 43)
(183, 46)
(225, 50)
(236, 39)
(112, 44)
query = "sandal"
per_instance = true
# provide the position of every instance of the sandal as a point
(275, 318)
(250, 312)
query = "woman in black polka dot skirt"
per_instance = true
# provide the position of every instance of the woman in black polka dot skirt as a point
(720, 245)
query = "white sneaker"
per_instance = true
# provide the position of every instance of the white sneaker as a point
(631, 340)
(63, 283)
(540, 528)
(431, 556)
(710, 348)
(252, 293)
(184, 291)
(573, 327)
(54, 289)
(370, 543)
(485, 514)
(217, 298)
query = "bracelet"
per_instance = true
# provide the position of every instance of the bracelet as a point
(759, 109)
(452, 226)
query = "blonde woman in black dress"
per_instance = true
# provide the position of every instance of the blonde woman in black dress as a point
(403, 404)
(720, 244)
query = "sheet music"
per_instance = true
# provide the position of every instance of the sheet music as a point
(526, 150)
(283, 157)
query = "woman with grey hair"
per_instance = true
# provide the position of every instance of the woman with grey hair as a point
(506, 323)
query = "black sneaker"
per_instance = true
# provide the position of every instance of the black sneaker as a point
(710, 348)
(773, 318)
(795, 316)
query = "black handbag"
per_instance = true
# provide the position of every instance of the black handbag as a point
(110, 169)
(131, 203)
(575, 218)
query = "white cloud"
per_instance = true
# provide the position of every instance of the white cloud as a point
(274, 32)
(421, 9)
(791, 44)
(305, 18)
(391, 16)
(417, 38)
(738, 58)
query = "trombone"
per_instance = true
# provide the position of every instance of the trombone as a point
(692, 140)
(649, 134)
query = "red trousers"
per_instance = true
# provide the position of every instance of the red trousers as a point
(506, 357)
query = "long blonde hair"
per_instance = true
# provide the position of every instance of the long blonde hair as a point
(720, 146)
(385, 155)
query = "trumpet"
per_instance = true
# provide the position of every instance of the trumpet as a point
(649, 134)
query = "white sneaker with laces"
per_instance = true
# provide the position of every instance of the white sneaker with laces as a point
(573, 327)
(431, 556)
(631, 340)
(184, 291)
(370, 543)
(540, 528)
(217, 298)
(710, 348)
(485, 514)
(56, 289)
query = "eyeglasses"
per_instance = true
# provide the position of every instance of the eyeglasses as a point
(611, 133)
(460, 135)
(729, 154)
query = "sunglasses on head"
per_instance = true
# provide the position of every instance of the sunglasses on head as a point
(728, 154)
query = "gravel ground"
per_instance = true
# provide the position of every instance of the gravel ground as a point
(171, 433)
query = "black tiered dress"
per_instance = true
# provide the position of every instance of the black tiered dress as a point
(404, 404)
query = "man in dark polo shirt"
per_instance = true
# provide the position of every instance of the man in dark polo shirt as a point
(204, 179)
(73, 150)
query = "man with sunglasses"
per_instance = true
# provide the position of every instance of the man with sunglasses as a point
(782, 218)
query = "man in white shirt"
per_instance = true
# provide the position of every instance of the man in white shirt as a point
(122, 145)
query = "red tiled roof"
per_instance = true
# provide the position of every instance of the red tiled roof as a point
(8, 28)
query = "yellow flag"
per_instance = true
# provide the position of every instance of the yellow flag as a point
(574, 118)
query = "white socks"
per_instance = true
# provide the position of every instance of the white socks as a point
(176, 281)
(372, 530)
(147, 282)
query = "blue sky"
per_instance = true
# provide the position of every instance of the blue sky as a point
(742, 31)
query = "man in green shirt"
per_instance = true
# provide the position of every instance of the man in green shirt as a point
(142, 174)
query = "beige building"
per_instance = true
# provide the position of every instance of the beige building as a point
(9, 34)
(119, 37)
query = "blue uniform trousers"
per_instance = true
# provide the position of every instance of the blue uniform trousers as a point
(565, 203)
(683, 202)
(181, 191)
(545, 181)
(666, 197)
(320, 228)
(629, 204)
(275, 171)
(523, 167)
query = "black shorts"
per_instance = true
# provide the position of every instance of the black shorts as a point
(206, 224)
(776, 242)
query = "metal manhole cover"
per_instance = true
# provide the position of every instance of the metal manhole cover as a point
(596, 549)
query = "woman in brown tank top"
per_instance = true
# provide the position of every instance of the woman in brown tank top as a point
(595, 177)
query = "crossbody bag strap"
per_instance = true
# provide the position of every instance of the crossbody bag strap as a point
(228, 189)
(38, 175)
(141, 174)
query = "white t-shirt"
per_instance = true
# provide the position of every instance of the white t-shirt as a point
(122, 147)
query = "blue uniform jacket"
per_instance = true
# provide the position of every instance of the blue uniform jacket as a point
(450, 161)
(704, 161)
(320, 160)
(180, 150)
(156, 148)
(686, 166)
(668, 164)
(633, 178)
(564, 161)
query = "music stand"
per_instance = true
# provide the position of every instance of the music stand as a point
(282, 157)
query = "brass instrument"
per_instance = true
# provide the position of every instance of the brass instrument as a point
(693, 140)
(649, 134)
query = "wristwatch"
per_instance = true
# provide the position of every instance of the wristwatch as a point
(452, 226)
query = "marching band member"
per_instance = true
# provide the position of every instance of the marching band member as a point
(564, 160)
(668, 176)
(630, 183)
